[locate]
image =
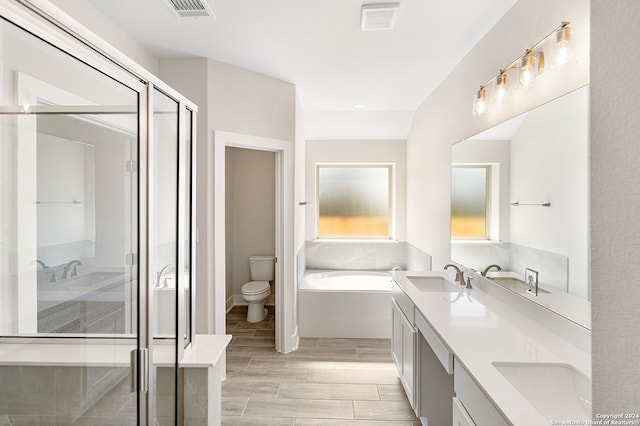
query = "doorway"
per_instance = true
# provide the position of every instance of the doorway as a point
(286, 330)
(250, 217)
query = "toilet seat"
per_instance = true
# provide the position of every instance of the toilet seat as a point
(255, 287)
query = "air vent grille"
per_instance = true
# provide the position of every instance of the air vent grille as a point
(189, 8)
(378, 16)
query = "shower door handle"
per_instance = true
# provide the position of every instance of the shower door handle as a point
(139, 370)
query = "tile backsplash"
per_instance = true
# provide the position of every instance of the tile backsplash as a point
(362, 256)
(553, 269)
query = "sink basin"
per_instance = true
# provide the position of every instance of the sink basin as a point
(557, 391)
(434, 283)
(515, 284)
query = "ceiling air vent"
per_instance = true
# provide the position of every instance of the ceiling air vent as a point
(189, 8)
(378, 16)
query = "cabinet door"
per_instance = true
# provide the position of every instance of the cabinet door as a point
(403, 338)
(460, 415)
(396, 336)
(408, 359)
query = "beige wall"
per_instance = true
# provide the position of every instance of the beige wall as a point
(356, 151)
(615, 198)
(250, 212)
(229, 99)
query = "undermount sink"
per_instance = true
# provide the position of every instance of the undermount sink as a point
(434, 283)
(557, 391)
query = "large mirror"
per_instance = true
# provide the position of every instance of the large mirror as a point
(520, 206)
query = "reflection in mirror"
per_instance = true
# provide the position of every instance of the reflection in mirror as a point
(77, 274)
(520, 202)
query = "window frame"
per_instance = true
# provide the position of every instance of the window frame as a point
(391, 168)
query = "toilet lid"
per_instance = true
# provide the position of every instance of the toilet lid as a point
(254, 287)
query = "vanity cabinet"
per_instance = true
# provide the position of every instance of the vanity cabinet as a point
(403, 338)
(471, 404)
(435, 370)
(423, 361)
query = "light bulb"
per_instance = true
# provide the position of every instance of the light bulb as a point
(528, 70)
(564, 53)
(500, 92)
(480, 102)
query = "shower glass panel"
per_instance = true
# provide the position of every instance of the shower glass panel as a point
(164, 254)
(69, 137)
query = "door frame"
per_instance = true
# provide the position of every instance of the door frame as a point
(286, 330)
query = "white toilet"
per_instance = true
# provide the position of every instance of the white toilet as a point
(258, 290)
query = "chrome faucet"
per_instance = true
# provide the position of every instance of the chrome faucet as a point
(74, 272)
(41, 263)
(459, 274)
(396, 268)
(161, 273)
(488, 268)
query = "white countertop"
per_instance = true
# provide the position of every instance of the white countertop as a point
(480, 329)
(205, 352)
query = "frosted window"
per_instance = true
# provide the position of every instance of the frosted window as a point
(469, 202)
(354, 201)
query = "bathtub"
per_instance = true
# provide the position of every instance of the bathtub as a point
(345, 304)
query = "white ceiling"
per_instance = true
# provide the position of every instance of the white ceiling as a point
(318, 46)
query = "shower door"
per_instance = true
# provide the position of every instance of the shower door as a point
(70, 272)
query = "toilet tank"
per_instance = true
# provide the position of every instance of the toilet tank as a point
(262, 268)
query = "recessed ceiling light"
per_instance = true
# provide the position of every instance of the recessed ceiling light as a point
(359, 106)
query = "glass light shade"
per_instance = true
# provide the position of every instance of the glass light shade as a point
(480, 102)
(500, 88)
(563, 53)
(529, 69)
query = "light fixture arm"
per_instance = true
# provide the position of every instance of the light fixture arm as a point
(532, 49)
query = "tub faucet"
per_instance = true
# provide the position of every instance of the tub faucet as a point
(74, 272)
(396, 268)
(459, 274)
(488, 268)
(161, 273)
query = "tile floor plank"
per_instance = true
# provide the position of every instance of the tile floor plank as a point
(328, 391)
(315, 408)
(353, 376)
(383, 410)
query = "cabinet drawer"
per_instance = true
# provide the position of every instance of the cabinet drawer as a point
(404, 303)
(473, 399)
(460, 415)
(439, 348)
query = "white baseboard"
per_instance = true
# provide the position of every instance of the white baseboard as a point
(229, 303)
(295, 339)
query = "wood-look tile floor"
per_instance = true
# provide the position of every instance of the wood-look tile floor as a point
(342, 382)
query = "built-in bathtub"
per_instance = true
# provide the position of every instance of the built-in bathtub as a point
(345, 304)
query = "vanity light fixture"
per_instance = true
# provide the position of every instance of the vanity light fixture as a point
(526, 69)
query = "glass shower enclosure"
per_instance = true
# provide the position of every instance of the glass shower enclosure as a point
(95, 232)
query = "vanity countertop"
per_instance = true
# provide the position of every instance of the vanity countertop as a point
(480, 329)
